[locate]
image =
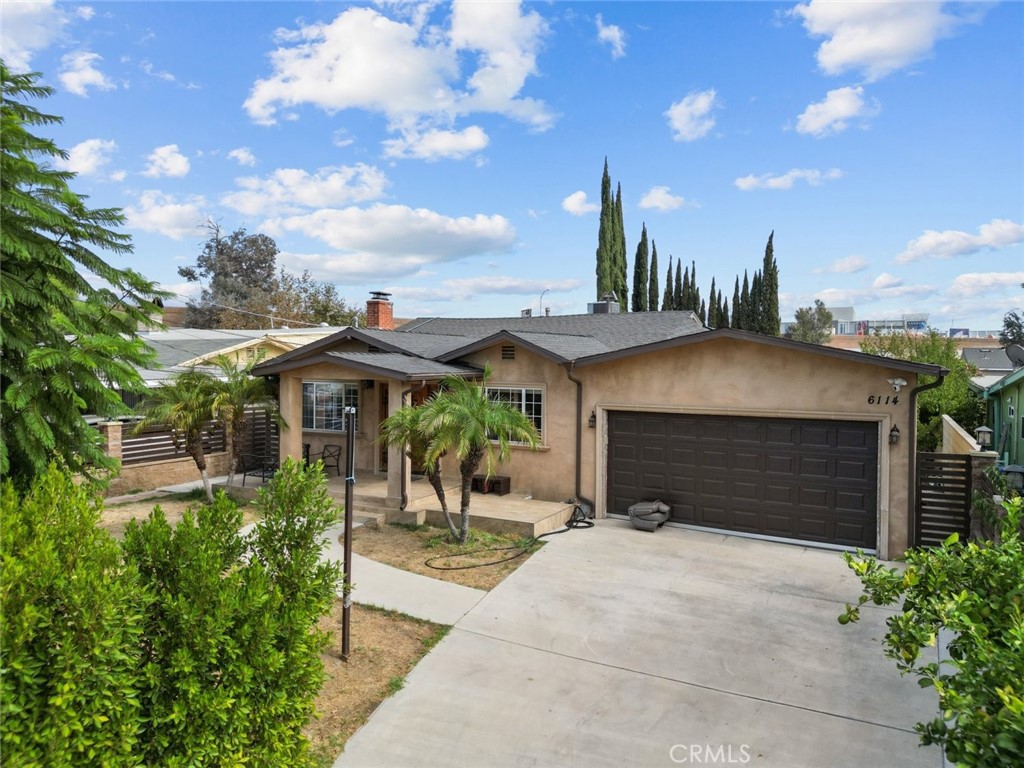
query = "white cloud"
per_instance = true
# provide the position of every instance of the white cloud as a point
(166, 161)
(157, 212)
(28, 28)
(290, 190)
(437, 144)
(460, 289)
(834, 114)
(410, 73)
(690, 118)
(342, 138)
(812, 176)
(877, 38)
(147, 67)
(87, 157)
(846, 266)
(846, 297)
(661, 199)
(118, 175)
(395, 240)
(985, 283)
(998, 233)
(885, 280)
(78, 73)
(85, 12)
(577, 204)
(613, 36)
(243, 155)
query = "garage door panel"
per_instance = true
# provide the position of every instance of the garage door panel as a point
(805, 479)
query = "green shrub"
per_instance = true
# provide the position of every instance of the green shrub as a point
(975, 591)
(186, 646)
(232, 654)
(70, 631)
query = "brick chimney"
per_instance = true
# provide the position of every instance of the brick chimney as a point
(379, 311)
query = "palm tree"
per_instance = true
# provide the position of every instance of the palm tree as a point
(237, 392)
(405, 428)
(185, 405)
(463, 421)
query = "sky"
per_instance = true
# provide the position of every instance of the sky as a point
(451, 154)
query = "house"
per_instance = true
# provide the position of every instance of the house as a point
(750, 434)
(992, 363)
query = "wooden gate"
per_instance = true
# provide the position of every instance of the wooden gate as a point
(943, 498)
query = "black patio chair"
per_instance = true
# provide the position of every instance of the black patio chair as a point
(260, 465)
(331, 457)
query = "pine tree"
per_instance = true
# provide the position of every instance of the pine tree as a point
(67, 347)
(713, 306)
(736, 303)
(605, 238)
(723, 316)
(641, 278)
(668, 303)
(653, 292)
(677, 297)
(771, 322)
(621, 268)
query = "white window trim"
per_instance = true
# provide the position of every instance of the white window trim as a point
(523, 389)
(349, 385)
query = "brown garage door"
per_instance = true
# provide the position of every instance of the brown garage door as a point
(792, 478)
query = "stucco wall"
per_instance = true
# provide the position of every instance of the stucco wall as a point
(722, 376)
(955, 439)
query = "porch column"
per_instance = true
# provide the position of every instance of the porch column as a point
(398, 465)
(290, 443)
(111, 433)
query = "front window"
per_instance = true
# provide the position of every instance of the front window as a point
(526, 400)
(324, 403)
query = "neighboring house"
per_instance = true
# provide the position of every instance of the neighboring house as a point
(737, 432)
(1004, 416)
(992, 363)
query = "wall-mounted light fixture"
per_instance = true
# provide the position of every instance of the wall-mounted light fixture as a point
(894, 435)
(592, 421)
(368, 383)
(983, 436)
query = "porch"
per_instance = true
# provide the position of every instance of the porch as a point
(511, 513)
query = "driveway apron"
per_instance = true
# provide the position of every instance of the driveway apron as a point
(616, 647)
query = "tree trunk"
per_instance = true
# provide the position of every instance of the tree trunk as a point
(467, 468)
(438, 484)
(200, 459)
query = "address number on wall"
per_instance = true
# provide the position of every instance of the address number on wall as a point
(883, 399)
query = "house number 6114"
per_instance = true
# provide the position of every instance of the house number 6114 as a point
(887, 400)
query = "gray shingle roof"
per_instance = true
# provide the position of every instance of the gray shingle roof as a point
(987, 358)
(405, 366)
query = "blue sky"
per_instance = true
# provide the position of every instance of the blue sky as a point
(452, 153)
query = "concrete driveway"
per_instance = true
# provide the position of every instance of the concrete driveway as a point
(614, 647)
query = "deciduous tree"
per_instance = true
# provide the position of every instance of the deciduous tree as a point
(813, 324)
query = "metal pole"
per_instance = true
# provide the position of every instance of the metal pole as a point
(350, 481)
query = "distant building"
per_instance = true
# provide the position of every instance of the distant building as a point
(845, 323)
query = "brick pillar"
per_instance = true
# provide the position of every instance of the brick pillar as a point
(980, 462)
(111, 433)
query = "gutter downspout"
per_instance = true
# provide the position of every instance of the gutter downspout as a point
(912, 447)
(579, 435)
(405, 455)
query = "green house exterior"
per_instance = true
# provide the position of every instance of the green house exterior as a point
(1005, 417)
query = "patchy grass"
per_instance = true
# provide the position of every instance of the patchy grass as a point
(115, 517)
(385, 646)
(409, 547)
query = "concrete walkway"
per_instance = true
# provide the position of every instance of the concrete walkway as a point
(614, 647)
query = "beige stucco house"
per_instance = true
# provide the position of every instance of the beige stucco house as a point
(738, 432)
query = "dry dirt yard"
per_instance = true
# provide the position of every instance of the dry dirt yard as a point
(385, 645)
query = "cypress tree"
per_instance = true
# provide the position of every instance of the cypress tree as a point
(713, 306)
(755, 303)
(640, 276)
(653, 292)
(744, 311)
(723, 316)
(605, 236)
(668, 302)
(677, 296)
(621, 269)
(686, 302)
(703, 313)
(771, 321)
(736, 303)
(694, 290)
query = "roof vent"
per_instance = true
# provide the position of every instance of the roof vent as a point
(526, 312)
(508, 352)
(608, 305)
